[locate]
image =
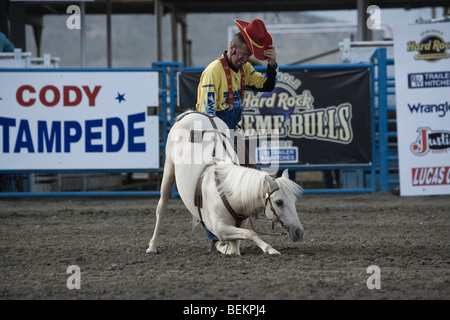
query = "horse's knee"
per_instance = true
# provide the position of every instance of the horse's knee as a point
(250, 234)
(228, 247)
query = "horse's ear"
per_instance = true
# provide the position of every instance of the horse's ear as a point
(285, 174)
(270, 182)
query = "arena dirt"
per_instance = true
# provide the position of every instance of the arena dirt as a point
(406, 237)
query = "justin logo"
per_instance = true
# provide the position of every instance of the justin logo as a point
(431, 48)
(428, 140)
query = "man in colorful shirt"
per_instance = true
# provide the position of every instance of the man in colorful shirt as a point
(213, 96)
(223, 83)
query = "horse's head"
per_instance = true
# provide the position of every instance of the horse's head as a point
(280, 199)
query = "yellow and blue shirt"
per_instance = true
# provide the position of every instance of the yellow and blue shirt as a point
(212, 93)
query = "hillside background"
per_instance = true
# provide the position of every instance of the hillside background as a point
(133, 39)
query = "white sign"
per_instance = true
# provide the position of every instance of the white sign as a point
(422, 82)
(78, 120)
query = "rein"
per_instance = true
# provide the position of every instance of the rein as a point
(238, 217)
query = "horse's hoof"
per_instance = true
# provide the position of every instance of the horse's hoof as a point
(150, 250)
(273, 251)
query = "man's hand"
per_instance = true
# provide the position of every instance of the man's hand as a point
(271, 56)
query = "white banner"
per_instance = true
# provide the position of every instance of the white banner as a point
(78, 120)
(422, 84)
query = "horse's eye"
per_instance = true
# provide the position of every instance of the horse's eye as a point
(279, 203)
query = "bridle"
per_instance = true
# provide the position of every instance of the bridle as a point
(268, 200)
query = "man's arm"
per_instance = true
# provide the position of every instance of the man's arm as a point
(261, 83)
(272, 67)
(271, 56)
(271, 81)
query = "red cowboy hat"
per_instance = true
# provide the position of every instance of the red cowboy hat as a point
(256, 37)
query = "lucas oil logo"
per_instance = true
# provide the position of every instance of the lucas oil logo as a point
(429, 140)
(289, 112)
(430, 176)
(430, 48)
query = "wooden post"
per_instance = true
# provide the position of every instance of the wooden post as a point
(158, 26)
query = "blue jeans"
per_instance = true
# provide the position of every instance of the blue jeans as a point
(210, 235)
(230, 116)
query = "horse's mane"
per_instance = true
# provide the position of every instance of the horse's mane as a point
(241, 184)
(246, 185)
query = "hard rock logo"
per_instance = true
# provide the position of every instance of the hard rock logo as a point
(290, 113)
(431, 48)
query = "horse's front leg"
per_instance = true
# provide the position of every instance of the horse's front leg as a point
(232, 234)
(161, 210)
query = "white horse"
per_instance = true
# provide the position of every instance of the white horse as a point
(229, 193)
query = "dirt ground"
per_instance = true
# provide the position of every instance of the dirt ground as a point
(406, 237)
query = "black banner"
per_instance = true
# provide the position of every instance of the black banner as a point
(321, 116)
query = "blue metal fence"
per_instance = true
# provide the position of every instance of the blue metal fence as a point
(386, 135)
(384, 154)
